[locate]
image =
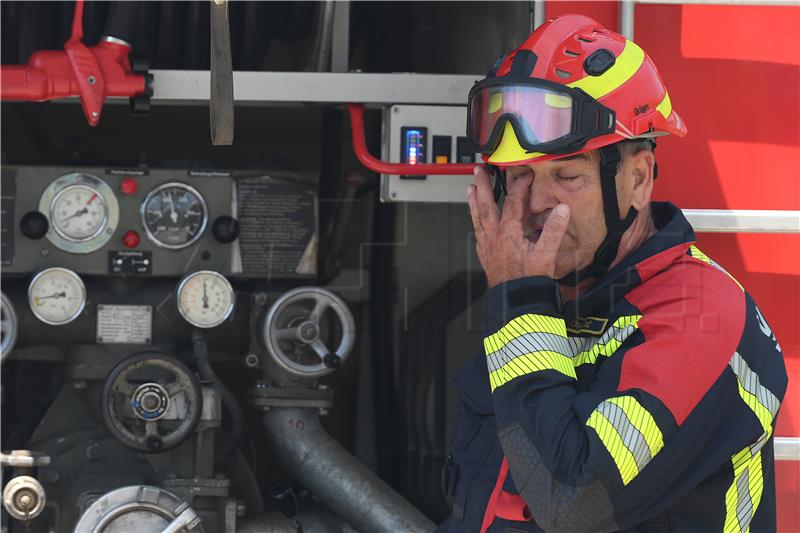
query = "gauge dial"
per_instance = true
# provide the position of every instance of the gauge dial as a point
(82, 210)
(205, 298)
(57, 296)
(78, 213)
(174, 215)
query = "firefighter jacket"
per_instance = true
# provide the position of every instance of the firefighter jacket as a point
(647, 404)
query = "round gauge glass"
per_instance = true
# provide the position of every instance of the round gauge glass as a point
(78, 213)
(9, 327)
(174, 215)
(205, 298)
(57, 296)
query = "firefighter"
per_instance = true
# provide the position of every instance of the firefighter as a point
(627, 381)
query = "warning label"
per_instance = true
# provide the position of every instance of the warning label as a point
(124, 324)
(278, 227)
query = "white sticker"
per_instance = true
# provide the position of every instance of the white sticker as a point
(124, 324)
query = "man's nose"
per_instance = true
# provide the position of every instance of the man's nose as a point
(542, 198)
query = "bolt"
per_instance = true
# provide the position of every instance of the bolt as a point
(240, 509)
(262, 384)
(261, 298)
(45, 252)
(251, 360)
(92, 80)
(94, 114)
(94, 452)
(322, 411)
(322, 386)
(79, 384)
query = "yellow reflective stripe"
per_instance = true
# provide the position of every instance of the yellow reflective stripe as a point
(623, 69)
(763, 414)
(641, 420)
(607, 348)
(611, 439)
(530, 363)
(700, 256)
(741, 502)
(523, 325)
(665, 107)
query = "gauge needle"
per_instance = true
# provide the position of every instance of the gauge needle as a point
(78, 213)
(92, 199)
(172, 214)
(205, 296)
(62, 294)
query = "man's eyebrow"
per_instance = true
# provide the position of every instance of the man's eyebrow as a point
(582, 156)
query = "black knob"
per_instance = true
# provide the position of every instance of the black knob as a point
(225, 228)
(34, 225)
(332, 360)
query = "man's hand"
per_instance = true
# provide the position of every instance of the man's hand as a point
(503, 250)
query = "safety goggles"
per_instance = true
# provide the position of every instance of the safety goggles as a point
(547, 117)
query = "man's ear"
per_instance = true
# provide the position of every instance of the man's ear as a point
(642, 165)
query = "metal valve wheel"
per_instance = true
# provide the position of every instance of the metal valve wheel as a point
(9, 327)
(151, 402)
(296, 325)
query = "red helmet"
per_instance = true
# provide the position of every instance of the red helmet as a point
(571, 87)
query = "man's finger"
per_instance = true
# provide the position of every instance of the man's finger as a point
(472, 201)
(487, 208)
(516, 202)
(555, 227)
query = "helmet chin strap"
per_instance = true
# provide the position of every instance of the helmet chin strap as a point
(607, 251)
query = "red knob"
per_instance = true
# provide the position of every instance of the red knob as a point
(131, 239)
(129, 186)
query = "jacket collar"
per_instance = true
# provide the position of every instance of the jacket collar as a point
(673, 236)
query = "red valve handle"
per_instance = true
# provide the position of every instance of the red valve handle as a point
(401, 169)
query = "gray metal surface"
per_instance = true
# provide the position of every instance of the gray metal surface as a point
(342, 483)
(743, 220)
(787, 448)
(439, 120)
(297, 88)
(340, 42)
(627, 10)
(138, 508)
(312, 521)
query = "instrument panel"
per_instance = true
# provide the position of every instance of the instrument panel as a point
(159, 222)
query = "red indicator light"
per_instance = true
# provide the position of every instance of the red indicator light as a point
(131, 239)
(128, 186)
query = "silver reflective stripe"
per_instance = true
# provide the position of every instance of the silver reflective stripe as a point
(579, 345)
(750, 382)
(631, 437)
(744, 505)
(525, 344)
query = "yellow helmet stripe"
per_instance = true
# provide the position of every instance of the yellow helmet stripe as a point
(665, 107)
(509, 149)
(623, 69)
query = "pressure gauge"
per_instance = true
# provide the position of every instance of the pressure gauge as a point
(82, 210)
(57, 296)
(205, 298)
(174, 215)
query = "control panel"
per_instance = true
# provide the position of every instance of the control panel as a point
(417, 134)
(159, 222)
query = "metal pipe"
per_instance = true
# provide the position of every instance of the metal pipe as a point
(626, 14)
(340, 481)
(317, 520)
(322, 48)
(538, 13)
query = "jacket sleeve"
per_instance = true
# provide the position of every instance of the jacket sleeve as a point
(594, 459)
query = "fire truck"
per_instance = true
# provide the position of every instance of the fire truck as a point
(238, 270)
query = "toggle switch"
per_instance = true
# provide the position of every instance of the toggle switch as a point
(442, 148)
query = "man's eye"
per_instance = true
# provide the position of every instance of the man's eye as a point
(567, 178)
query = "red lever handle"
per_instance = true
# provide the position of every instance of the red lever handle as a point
(401, 169)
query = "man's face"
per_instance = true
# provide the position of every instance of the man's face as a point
(575, 182)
